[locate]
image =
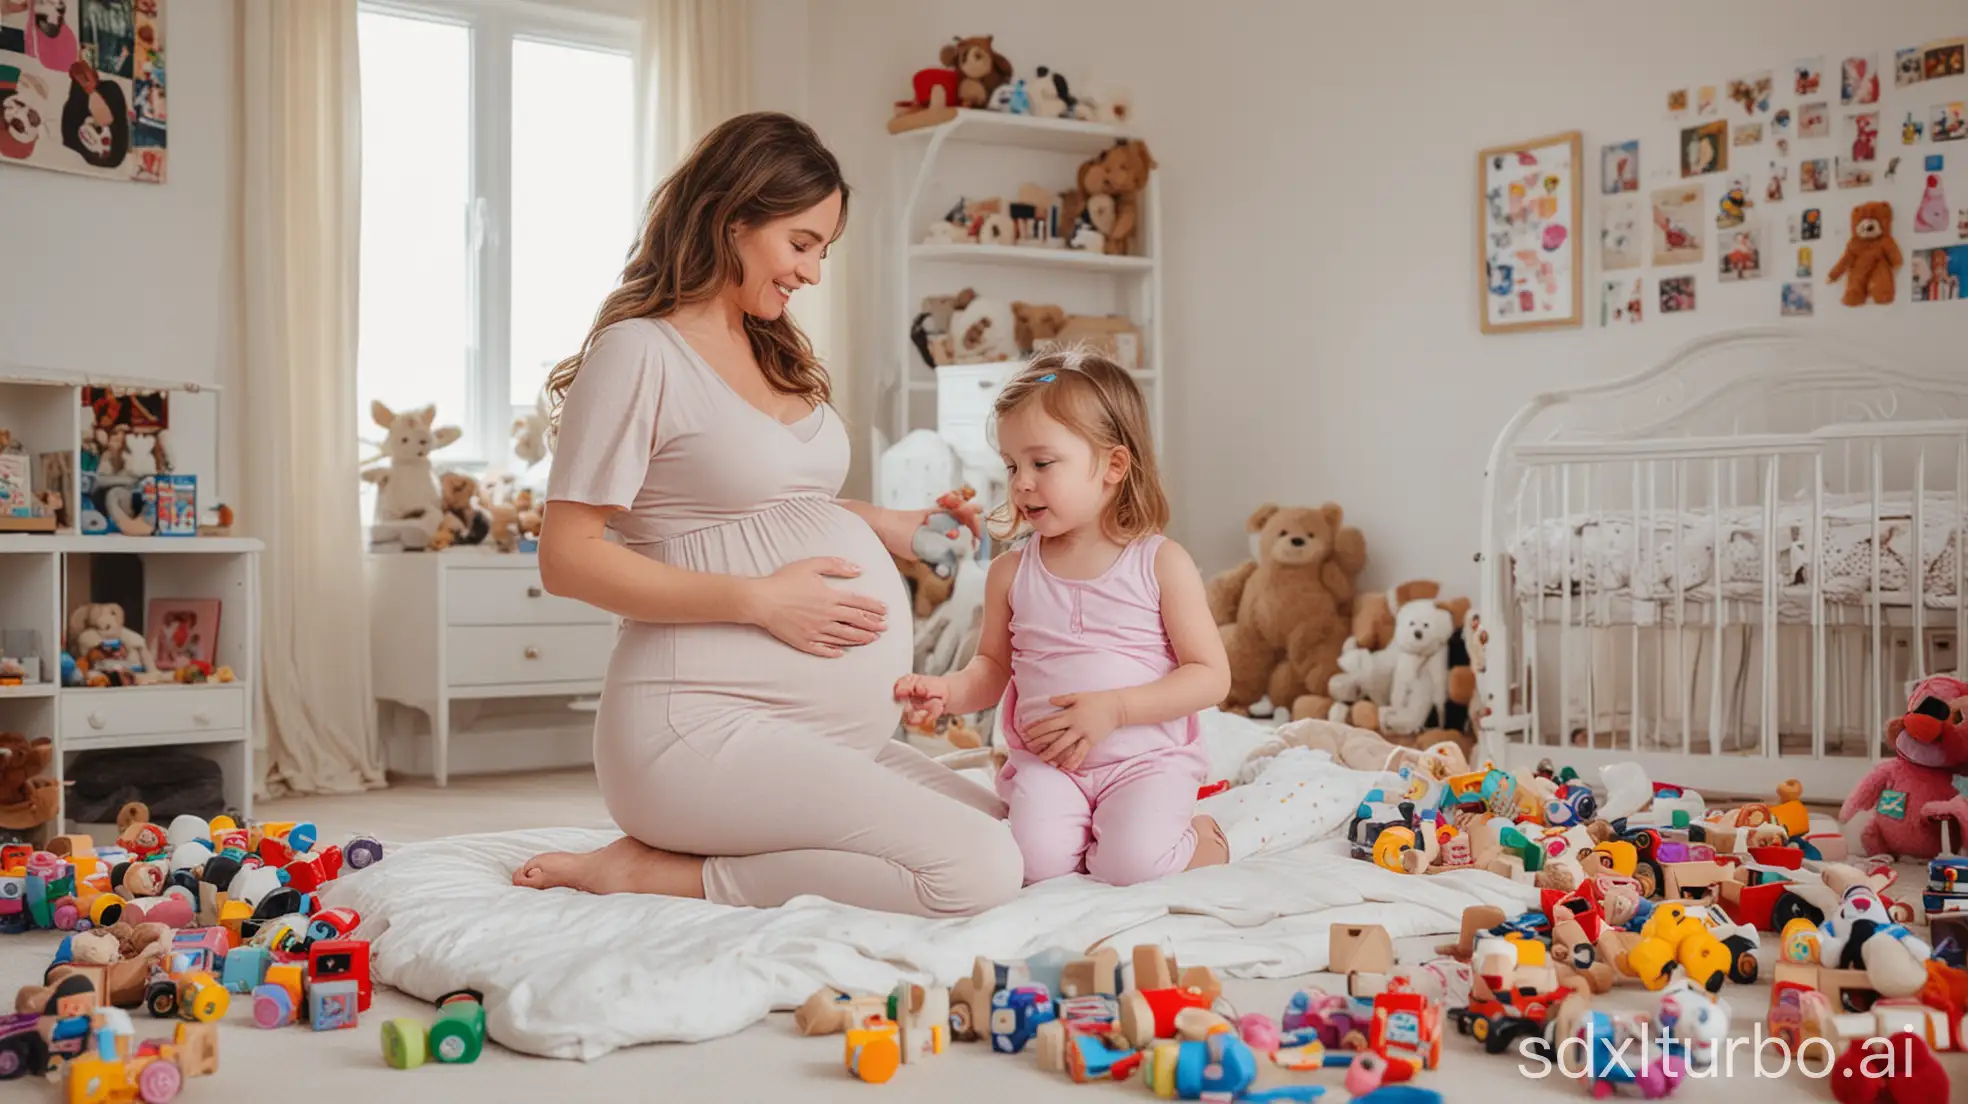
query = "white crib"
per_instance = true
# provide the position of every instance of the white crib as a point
(1729, 567)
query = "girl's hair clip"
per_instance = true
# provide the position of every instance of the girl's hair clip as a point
(1048, 377)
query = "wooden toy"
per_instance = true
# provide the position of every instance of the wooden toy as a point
(1147, 1016)
(333, 1005)
(1363, 947)
(274, 1006)
(1694, 881)
(922, 1018)
(873, 1051)
(1016, 1015)
(1798, 1013)
(1406, 1027)
(1091, 1057)
(830, 1011)
(1196, 1023)
(1476, 919)
(118, 1069)
(202, 998)
(1099, 972)
(245, 968)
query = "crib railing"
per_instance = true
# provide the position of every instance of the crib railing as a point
(1786, 680)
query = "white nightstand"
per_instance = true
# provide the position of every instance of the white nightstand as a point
(471, 625)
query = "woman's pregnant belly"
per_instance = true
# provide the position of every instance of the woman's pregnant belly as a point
(713, 679)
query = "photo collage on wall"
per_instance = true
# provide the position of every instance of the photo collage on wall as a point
(82, 87)
(1762, 176)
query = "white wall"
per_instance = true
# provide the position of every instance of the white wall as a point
(109, 276)
(1317, 166)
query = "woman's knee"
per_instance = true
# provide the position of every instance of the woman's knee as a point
(986, 870)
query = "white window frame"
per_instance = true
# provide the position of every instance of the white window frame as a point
(495, 24)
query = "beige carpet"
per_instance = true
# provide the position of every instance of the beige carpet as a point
(768, 1061)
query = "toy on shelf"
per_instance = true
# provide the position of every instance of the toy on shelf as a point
(27, 799)
(455, 1037)
(952, 531)
(409, 504)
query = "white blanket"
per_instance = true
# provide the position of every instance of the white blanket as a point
(571, 975)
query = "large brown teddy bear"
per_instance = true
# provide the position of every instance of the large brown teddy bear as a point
(1870, 256)
(980, 69)
(1284, 613)
(1122, 171)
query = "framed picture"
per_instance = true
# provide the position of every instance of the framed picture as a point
(182, 631)
(82, 87)
(1527, 223)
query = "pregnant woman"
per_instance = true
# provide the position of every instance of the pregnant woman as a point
(744, 740)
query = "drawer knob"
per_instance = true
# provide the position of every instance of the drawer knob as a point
(201, 717)
(532, 592)
(531, 652)
(97, 720)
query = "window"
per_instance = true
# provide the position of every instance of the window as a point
(498, 205)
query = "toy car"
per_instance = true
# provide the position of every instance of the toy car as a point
(1016, 1015)
(1406, 1027)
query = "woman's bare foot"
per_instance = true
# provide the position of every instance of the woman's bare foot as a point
(1212, 849)
(625, 866)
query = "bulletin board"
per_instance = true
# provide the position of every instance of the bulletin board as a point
(82, 87)
(1527, 219)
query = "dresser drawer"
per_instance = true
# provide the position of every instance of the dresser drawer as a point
(136, 710)
(485, 656)
(511, 596)
(964, 395)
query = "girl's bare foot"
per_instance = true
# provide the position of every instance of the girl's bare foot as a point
(625, 866)
(1212, 848)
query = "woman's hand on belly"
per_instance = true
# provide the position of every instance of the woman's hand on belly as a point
(796, 605)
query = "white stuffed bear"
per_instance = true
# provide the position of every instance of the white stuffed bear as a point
(1364, 675)
(1420, 680)
(983, 331)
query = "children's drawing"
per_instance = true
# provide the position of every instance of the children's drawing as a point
(1529, 216)
(1751, 94)
(1677, 103)
(1705, 103)
(1809, 76)
(1621, 241)
(1677, 225)
(1735, 197)
(1814, 120)
(1945, 59)
(1813, 174)
(1803, 262)
(1739, 253)
(1932, 217)
(1620, 301)
(1779, 175)
(1619, 168)
(82, 87)
(1813, 224)
(1853, 174)
(1797, 301)
(1859, 80)
(1949, 122)
(1748, 134)
(1677, 294)
(1908, 66)
(1911, 130)
(1861, 140)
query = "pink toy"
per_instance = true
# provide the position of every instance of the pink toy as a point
(1366, 1073)
(1911, 794)
(1932, 218)
(1259, 1032)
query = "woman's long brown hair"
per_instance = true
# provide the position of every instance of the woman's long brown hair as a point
(750, 170)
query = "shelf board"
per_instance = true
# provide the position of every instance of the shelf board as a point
(999, 128)
(29, 690)
(152, 688)
(73, 744)
(1031, 255)
(75, 542)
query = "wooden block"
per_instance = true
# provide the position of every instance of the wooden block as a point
(922, 1016)
(1202, 979)
(1099, 972)
(1137, 1019)
(66, 846)
(1195, 1024)
(1834, 984)
(1363, 947)
(1153, 969)
(1694, 881)
(1051, 1046)
(1476, 919)
(1948, 925)
(198, 1049)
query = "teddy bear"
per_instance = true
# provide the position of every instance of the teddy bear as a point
(1366, 663)
(983, 330)
(1911, 794)
(1418, 693)
(980, 69)
(1283, 614)
(95, 624)
(1871, 256)
(1036, 322)
(464, 521)
(21, 760)
(1121, 171)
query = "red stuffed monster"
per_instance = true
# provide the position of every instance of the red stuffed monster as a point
(1910, 795)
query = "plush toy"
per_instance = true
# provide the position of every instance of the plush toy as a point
(1909, 795)
(21, 760)
(1419, 693)
(980, 69)
(465, 522)
(952, 532)
(1366, 662)
(409, 505)
(1871, 256)
(1121, 171)
(933, 88)
(983, 331)
(1359, 749)
(1051, 98)
(1036, 322)
(529, 432)
(930, 332)
(1283, 614)
(927, 588)
(95, 624)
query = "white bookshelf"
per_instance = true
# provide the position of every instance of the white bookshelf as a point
(43, 576)
(983, 153)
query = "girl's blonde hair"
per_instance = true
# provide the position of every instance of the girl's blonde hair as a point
(1097, 399)
(749, 170)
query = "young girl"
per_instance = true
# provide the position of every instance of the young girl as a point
(1097, 635)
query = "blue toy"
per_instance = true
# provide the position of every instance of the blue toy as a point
(1217, 1067)
(1016, 1015)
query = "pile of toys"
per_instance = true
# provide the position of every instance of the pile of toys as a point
(1090, 1019)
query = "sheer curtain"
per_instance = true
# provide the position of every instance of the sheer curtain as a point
(300, 182)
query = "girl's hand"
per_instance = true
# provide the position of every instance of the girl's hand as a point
(925, 695)
(1065, 738)
(897, 530)
(796, 605)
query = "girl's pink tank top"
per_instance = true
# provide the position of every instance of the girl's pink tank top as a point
(1072, 636)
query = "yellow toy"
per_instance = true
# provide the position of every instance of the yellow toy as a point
(1671, 938)
(874, 1050)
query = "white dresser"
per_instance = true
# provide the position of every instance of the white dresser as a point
(472, 624)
